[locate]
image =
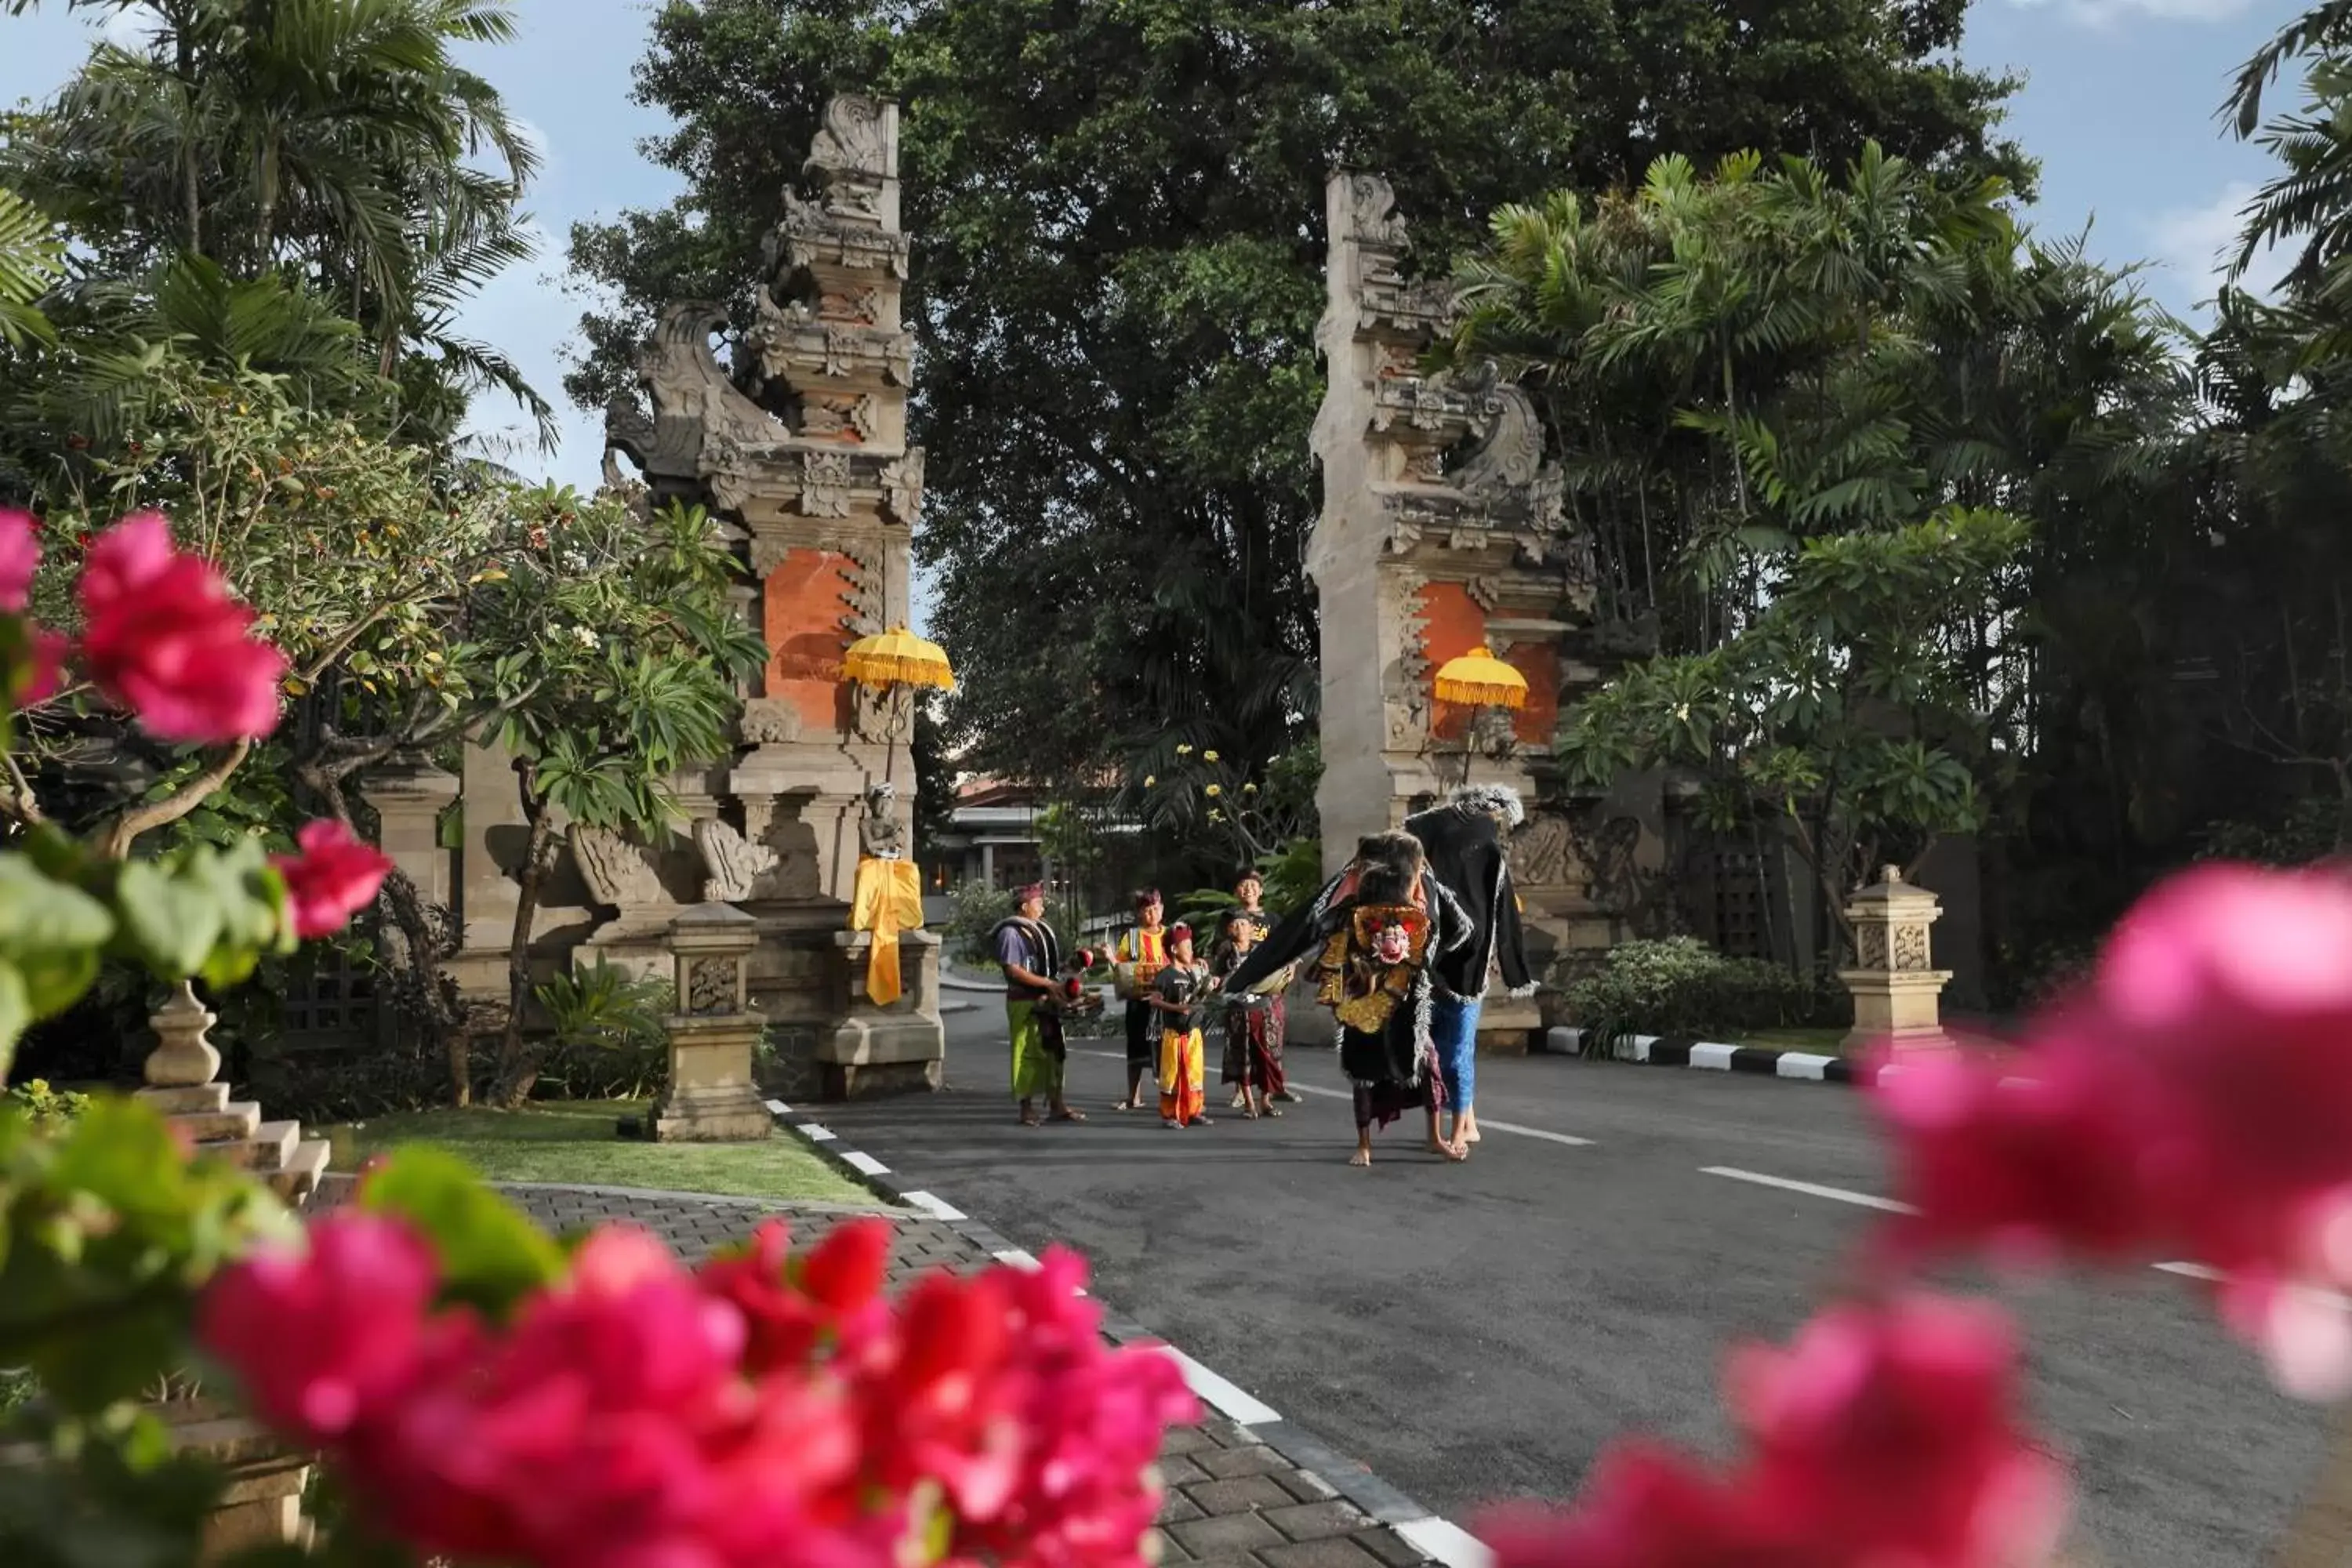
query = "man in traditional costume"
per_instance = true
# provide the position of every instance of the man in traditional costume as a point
(1137, 961)
(1371, 936)
(1177, 994)
(1031, 957)
(1465, 841)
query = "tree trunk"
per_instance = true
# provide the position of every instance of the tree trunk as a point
(518, 1062)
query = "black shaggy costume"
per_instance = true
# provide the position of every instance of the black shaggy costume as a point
(1463, 843)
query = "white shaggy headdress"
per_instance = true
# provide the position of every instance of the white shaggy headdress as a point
(1496, 800)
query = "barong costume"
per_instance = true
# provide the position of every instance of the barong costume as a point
(1369, 937)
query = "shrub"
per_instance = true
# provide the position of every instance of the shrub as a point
(1679, 986)
(610, 1041)
(975, 909)
(47, 1107)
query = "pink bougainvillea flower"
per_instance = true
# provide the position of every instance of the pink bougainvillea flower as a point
(763, 1409)
(1885, 1434)
(2193, 1103)
(334, 877)
(20, 556)
(323, 1335)
(163, 635)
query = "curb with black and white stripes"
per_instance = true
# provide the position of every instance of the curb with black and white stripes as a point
(1656, 1050)
(1439, 1539)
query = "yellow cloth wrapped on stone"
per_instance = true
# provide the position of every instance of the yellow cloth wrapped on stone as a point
(886, 900)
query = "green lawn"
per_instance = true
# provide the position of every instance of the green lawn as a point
(574, 1141)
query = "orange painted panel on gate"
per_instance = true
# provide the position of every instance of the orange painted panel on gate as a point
(1452, 625)
(802, 604)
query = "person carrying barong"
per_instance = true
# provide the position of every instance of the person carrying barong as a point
(1031, 956)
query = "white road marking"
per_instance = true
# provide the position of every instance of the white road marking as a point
(1716, 1059)
(1449, 1543)
(778, 1108)
(1837, 1194)
(1223, 1396)
(936, 1207)
(1015, 1257)
(1802, 1063)
(2211, 1275)
(859, 1161)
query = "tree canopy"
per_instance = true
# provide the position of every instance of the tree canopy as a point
(1118, 219)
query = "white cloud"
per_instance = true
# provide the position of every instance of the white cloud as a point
(2194, 245)
(2106, 12)
(129, 28)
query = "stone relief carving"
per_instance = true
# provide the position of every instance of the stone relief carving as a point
(852, 141)
(1616, 882)
(1487, 593)
(618, 872)
(1509, 454)
(733, 866)
(1870, 947)
(838, 416)
(1371, 214)
(768, 552)
(1543, 851)
(881, 715)
(1910, 952)
(767, 721)
(861, 579)
(710, 985)
(902, 486)
(824, 484)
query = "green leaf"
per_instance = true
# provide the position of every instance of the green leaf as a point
(171, 926)
(52, 933)
(491, 1254)
(15, 1014)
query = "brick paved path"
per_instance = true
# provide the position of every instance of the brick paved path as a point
(1232, 1502)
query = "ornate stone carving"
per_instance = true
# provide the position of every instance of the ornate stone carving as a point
(861, 578)
(824, 484)
(839, 416)
(881, 715)
(1487, 593)
(854, 142)
(858, 308)
(1510, 451)
(733, 866)
(1543, 851)
(710, 986)
(1909, 949)
(1870, 947)
(619, 872)
(1371, 214)
(902, 486)
(767, 721)
(768, 552)
(694, 406)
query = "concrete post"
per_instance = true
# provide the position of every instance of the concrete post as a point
(1896, 994)
(711, 1097)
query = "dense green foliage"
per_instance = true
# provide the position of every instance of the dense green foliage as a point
(1117, 217)
(1681, 988)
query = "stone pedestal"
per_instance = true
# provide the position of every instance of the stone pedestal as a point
(1507, 1024)
(886, 1050)
(1897, 994)
(183, 1058)
(710, 1097)
(409, 795)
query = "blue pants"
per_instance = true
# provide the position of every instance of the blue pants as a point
(1453, 1028)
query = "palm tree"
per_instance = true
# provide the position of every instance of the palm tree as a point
(336, 141)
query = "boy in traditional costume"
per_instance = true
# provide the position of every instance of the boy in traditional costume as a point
(1370, 935)
(1253, 1027)
(1139, 957)
(1176, 995)
(1248, 890)
(1465, 841)
(1031, 958)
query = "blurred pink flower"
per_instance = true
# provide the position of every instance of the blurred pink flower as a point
(334, 877)
(163, 635)
(20, 557)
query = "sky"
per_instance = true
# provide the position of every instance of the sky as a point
(2119, 105)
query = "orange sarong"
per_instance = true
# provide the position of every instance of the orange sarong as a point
(886, 900)
(1183, 1077)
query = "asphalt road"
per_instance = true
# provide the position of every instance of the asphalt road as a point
(1478, 1332)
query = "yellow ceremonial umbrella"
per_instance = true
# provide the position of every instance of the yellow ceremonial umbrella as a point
(887, 897)
(898, 657)
(1479, 679)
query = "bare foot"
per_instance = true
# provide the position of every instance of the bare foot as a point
(1360, 1157)
(1453, 1152)
(1438, 1145)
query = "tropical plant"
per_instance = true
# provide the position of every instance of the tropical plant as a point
(609, 659)
(32, 262)
(1679, 986)
(609, 1038)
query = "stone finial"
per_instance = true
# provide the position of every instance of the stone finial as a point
(1895, 989)
(183, 1058)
